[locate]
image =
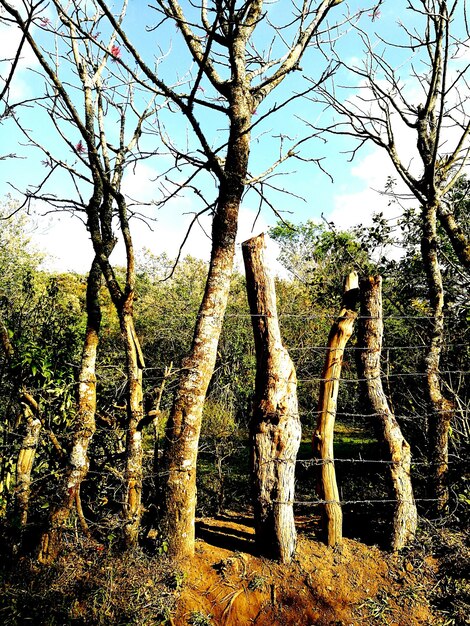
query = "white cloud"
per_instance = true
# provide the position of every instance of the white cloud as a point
(10, 37)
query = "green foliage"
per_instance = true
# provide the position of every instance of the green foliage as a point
(319, 257)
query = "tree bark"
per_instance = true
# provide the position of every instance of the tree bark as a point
(456, 234)
(442, 408)
(184, 424)
(275, 426)
(84, 423)
(370, 336)
(132, 511)
(26, 456)
(33, 426)
(323, 437)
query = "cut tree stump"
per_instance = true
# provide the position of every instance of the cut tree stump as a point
(370, 336)
(275, 427)
(323, 437)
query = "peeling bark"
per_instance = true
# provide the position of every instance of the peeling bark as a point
(275, 426)
(370, 336)
(323, 437)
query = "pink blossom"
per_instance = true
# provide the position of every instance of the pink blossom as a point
(45, 21)
(80, 148)
(375, 14)
(116, 52)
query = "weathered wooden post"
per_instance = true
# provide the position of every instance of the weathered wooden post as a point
(339, 335)
(370, 334)
(275, 426)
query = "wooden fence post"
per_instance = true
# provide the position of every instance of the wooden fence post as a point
(275, 427)
(339, 335)
(370, 341)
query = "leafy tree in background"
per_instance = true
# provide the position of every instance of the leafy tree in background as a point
(41, 322)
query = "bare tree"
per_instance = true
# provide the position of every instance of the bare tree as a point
(220, 39)
(101, 157)
(238, 54)
(426, 93)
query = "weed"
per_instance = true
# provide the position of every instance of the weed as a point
(257, 583)
(378, 608)
(176, 580)
(200, 619)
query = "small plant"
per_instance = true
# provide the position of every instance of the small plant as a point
(378, 607)
(176, 580)
(200, 619)
(257, 583)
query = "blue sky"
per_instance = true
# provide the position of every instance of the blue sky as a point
(350, 199)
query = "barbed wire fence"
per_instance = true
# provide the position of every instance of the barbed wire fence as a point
(12, 435)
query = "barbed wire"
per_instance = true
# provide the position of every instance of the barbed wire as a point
(319, 316)
(388, 375)
(384, 348)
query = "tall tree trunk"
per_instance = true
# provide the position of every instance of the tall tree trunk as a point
(84, 423)
(323, 437)
(370, 336)
(442, 408)
(135, 412)
(184, 425)
(24, 464)
(275, 427)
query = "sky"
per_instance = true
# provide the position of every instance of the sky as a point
(350, 198)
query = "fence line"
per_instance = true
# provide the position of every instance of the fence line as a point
(391, 375)
(384, 348)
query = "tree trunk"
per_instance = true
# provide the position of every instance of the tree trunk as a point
(370, 341)
(442, 408)
(275, 427)
(323, 437)
(26, 456)
(184, 424)
(84, 423)
(132, 511)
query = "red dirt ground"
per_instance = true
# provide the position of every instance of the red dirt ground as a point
(357, 585)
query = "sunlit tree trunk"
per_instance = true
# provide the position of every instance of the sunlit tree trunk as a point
(370, 336)
(275, 427)
(26, 455)
(84, 427)
(30, 441)
(184, 425)
(323, 437)
(133, 472)
(442, 408)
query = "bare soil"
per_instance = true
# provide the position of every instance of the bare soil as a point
(357, 585)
